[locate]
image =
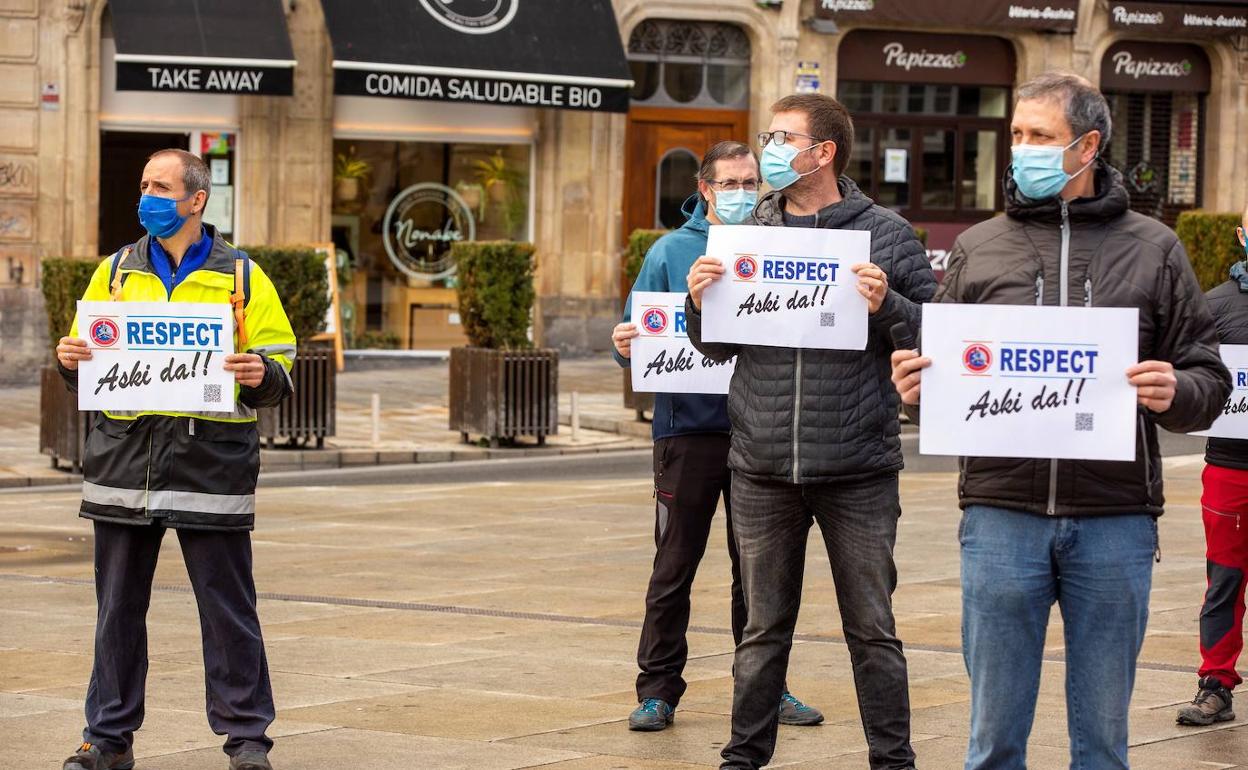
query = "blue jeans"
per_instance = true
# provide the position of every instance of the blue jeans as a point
(1015, 565)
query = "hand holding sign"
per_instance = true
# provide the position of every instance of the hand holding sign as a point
(248, 368)
(704, 272)
(872, 284)
(1155, 384)
(71, 350)
(908, 366)
(622, 337)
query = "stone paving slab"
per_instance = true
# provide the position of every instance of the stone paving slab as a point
(494, 625)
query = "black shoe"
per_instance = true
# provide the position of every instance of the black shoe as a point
(91, 757)
(250, 760)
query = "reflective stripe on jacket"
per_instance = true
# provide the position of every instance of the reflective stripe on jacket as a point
(186, 469)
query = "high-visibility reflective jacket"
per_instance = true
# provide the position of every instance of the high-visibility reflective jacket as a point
(195, 470)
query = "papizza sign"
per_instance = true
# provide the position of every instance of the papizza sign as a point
(1160, 67)
(1048, 15)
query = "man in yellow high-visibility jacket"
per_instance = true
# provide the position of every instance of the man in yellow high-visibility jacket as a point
(149, 470)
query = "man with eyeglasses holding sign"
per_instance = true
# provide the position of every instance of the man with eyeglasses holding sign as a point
(690, 434)
(815, 438)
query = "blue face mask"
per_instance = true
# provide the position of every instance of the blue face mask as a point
(1039, 171)
(734, 206)
(777, 164)
(159, 216)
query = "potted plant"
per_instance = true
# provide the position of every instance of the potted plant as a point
(348, 172)
(505, 188)
(639, 242)
(62, 428)
(298, 274)
(501, 388)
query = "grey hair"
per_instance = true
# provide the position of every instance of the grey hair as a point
(195, 173)
(725, 150)
(1086, 108)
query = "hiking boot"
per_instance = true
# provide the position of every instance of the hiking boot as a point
(91, 757)
(1212, 704)
(651, 716)
(250, 760)
(794, 712)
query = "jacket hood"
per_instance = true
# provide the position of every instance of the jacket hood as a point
(770, 210)
(694, 209)
(1110, 200)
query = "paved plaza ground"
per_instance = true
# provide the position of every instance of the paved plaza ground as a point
(482, 623)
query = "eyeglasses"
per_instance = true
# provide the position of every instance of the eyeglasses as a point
(781, 137)
(732, 185)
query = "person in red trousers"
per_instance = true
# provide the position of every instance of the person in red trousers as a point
(1225, 509)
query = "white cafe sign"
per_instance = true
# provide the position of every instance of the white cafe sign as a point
(476, 17)
(420, 226)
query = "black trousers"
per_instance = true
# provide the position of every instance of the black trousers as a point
(690, 474)
(239, 697)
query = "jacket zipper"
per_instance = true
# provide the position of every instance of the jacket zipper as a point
(797, 416)
(147, 483)
(1064, 299)
(1224, 515)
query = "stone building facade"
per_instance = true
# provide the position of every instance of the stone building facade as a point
(593, 176)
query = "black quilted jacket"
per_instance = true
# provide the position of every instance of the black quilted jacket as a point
(814, 416)
(1229, 305)
(1115, 258)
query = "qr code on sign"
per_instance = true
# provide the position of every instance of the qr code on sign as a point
(1083, 421)
(212, 394)
(827, 319)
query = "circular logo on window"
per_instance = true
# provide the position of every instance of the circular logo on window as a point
(420, 226)
(745, 268)
(977, 358)
(476, 17)
(104, 332)
(654, 320)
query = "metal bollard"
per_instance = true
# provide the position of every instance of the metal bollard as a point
(376, 419)
(576, 415)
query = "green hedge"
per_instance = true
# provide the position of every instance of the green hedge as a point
(1211, 245)
(639, 242)
(65, 280)
(302, 282)
(496, 292)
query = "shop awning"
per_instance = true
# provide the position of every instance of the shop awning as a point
(564, 54)
(203, 46)
(1052, 15)
(1181, 19)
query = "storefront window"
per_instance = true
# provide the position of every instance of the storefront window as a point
(1156, 147)
(917, 99)
(979, 169)
(645, 79)
(399, 206)
(939, 168)
(894, 159)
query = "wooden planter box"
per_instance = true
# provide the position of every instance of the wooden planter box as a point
(309, 414)
(62, 428)
(504, 394)
(638, 402)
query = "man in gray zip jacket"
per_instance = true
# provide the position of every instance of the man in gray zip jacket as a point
(815, 438)
(1079, 533)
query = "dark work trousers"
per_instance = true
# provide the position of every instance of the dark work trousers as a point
(239, 698)
(690, 474)
(858, 521)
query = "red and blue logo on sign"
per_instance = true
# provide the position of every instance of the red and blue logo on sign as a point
(745, 268)
(654, 320)
(977, 358)
(104, 332)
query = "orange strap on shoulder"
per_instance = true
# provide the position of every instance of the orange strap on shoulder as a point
(239, 300)
(115, 288)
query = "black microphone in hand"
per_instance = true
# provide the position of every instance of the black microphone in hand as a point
(903, 337)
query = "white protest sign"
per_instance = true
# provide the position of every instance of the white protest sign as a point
(1233, 422)
(167, 356)
(1027, 381)
(663, 358)
(786, 287)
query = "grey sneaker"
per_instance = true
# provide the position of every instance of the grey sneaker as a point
(651, 716)
(1211, 704)
(794, 712)
(250, 760)
(91, 757)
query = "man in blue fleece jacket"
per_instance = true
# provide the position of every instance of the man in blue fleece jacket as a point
(690, 455)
